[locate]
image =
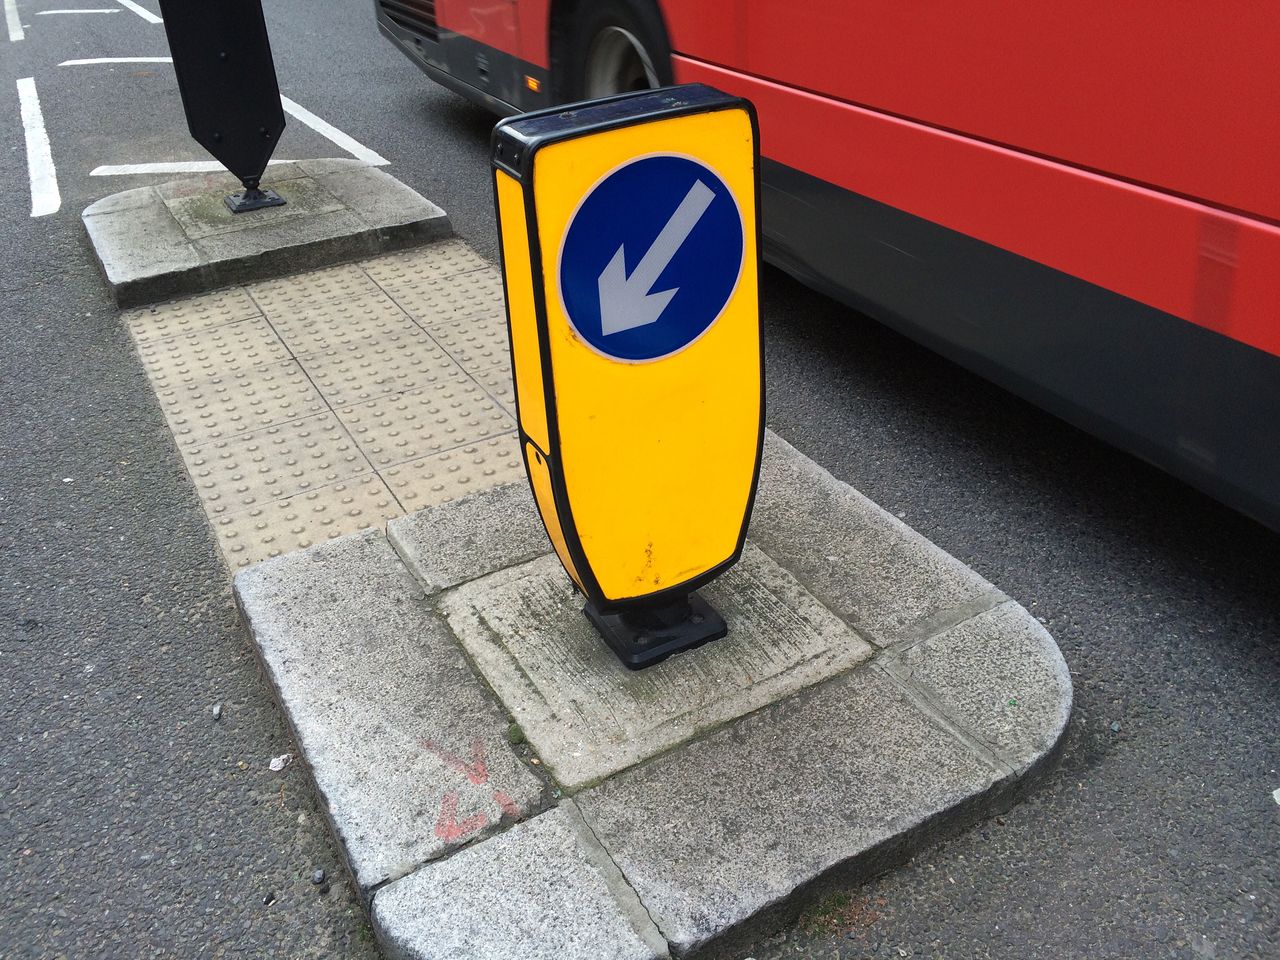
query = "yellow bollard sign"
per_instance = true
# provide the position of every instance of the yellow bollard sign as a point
(630, 255)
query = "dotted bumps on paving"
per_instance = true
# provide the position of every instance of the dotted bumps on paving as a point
(317, 405)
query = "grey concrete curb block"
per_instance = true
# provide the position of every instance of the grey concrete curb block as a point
(480, 534)
(691, 838)
(572, 900)
(337, 629)
(177, 239)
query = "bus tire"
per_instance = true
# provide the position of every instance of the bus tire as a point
(611, 46)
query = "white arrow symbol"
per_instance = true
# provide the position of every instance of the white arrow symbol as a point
(625, 302)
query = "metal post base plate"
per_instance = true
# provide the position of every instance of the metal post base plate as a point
(253, 200)
(644, 636)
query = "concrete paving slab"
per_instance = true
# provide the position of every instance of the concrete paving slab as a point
(126, 200)
(204, 214)
(216, 182)
(281, 246)
(141, 249)
(541, 891)
(392, 205)
(408, 751)
(870, 568)
(154, 243)
(587, 715)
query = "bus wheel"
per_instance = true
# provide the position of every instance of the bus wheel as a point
(614, 46)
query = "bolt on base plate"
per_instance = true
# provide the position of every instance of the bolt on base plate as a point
(253, 199)
(648, 635)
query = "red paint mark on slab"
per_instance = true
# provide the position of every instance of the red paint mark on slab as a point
(449, 827)
(507, 804)
(476, 770)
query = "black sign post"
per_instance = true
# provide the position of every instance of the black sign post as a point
(227, 79)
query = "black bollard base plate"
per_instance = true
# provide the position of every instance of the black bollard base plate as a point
(253, 200)
(644, 636)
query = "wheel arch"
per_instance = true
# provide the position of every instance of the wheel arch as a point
(560, 15)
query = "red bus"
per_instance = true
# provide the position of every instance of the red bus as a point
(1078, 201)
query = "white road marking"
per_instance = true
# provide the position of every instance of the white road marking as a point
(80, 63)
(45, 13)
(45, 198)
(141, 11)
(352, 146)
(12, 22)
(327, 130)
(177, 166)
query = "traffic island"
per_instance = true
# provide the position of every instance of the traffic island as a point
(180, 238)
(500, 785)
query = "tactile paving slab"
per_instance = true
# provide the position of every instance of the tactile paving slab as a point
(447, 299)
(306, 290)
(319, 404)
(274, 463)
(389, 365)
(476, 342)
(495, 376)
(202, 410)
(163, 320)
(447, 476)
(281, 526)
(445, 259)
(480, 346)
(213, 352)
(340, 324)
(424, 421)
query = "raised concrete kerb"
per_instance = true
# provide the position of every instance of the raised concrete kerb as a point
(409, 754)
(874, 695)
(176, 239)
(569, 899)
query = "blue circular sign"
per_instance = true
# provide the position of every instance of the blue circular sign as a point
(651, 257)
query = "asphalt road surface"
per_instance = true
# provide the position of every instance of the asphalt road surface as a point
(132, 823)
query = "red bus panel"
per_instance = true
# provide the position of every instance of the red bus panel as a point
(1174, 94)
(1215, 269)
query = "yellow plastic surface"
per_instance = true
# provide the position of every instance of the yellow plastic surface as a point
(540, 477)
(658, 458)
(521, 314)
